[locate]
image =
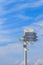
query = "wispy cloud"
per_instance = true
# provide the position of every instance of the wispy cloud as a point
(39, 17)
(40, 23)
(23, 17)
(18, 7)
(29, 5)
(11, 48)
(4, 39)
(39, 27)
(39, 61)
(1, 22)
(8, 53)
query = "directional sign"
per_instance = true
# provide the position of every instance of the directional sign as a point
(30, 36)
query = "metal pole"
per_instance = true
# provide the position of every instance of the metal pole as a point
(25, 54)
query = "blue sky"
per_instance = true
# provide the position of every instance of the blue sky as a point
(15, 15)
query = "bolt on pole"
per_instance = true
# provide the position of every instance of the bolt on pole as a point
(25, 54)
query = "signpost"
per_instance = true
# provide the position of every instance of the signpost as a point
(29, 36)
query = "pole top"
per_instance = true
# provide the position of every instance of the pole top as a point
(28, 30)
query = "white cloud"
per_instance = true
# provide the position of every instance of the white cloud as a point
(29, 5)
(9, 54)
(39, 61)
(38, 27)
(23, 17)
(2, 11)
(8, 35)
(19, 7)
(5, 39)
(39, 3)
(40, 23)
(2, 20)
(39, 17)
(4, 50)
(2, 1)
